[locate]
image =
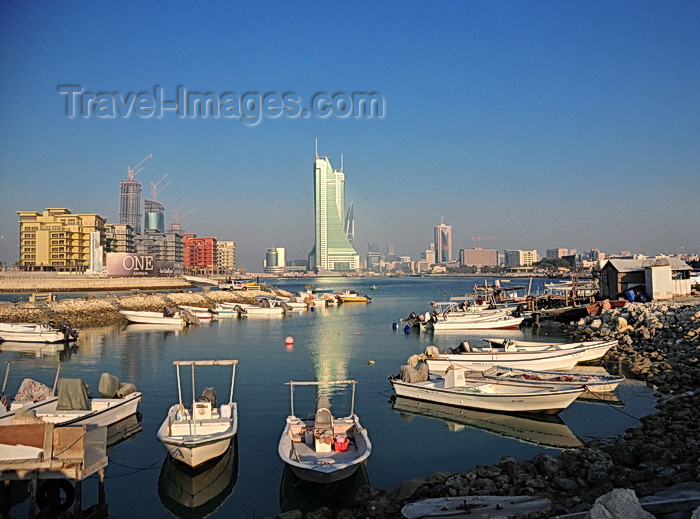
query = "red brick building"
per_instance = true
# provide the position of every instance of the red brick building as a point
(199, 254)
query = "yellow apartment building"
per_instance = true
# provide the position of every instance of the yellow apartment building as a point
(57, 239)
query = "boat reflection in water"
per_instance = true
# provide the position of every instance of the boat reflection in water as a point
(123, 431)
(544, 430)
(196, 493)
(299, 494)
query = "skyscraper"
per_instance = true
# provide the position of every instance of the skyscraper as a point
(130, 204)
(443, 242)
(332, 251)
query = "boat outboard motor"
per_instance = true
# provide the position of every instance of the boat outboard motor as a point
(168, 312)
(67, 330)
(286, 307)
(208, 395)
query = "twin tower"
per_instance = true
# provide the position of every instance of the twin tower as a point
(333, 250)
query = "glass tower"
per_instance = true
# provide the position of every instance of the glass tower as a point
(332, 251)
(130, 204)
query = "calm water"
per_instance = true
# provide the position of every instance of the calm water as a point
(329, 343)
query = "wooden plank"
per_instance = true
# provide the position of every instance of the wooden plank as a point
(23, 434)
(69, 443)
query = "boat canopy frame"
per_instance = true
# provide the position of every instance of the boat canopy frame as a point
(293, 383)
(194, 363)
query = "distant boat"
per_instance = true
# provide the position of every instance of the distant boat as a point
(181, 318)
(351, 296)
(37, 332)
(373, 287)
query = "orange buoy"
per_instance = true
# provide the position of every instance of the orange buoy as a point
(289, 340)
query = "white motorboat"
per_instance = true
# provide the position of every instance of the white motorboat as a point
(37, 332)
(593, 350)
(267, 307)
(203, 432)
(593, 382)
(462, 357)
(73, 406)
(490, 395)
(324, 448)
(478, 322)
(177, 318)
(202, 313)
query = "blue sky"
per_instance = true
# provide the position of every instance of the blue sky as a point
(535, 124)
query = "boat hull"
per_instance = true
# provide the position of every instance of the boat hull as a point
(30, 332)
(152, 318)
(503, 399)
(483, 360)
(593, 350)
(194, 442)
(327, 467)
(103, 411)
(594, 383)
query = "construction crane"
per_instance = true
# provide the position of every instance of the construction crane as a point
(154, 186)
(479, 238)
(177, 215)
(130, 173)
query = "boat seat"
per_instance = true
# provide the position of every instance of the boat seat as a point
(323, 425)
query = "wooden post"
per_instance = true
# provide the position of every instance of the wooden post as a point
(78, 506)
(6, 500)
(101, 499)
(32, 500)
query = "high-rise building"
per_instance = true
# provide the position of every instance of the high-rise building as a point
(130, 204)
(557, 253)
(350, 224)
(332, 251)
(154, 219)
(58, 239)
(443, 242)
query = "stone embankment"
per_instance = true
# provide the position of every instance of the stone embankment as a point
(35, 282)
(659, 343)
(100, 311)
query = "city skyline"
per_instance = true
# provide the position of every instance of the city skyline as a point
(545, 125)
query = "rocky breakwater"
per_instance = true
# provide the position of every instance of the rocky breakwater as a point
(659, 343)
(101, 311)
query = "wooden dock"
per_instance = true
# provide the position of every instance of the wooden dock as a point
(36, 452)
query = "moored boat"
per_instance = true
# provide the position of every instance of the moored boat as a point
(593, 350)
(202, 313)
(455, 389)
(177, 318)
(351, 296)
(593, 382)
(463, 357)
(38, 332)
(324, 448)
(203, 432)
(73, 406)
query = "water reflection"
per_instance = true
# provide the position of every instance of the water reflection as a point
(123, 431)
(41, 350)
(196, 493)
(545, 430)
(329, 347)
(299, 494)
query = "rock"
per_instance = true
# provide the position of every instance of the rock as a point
(618, 504)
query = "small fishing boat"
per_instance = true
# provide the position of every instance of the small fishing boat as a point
(167, 316)
(203, 432)
(324, 448)
(455, 389)
(593, 350)
(593, 382)
(73, 406)
(202, 313)
(495, 322)
(464, 357)
(38, 332)
(351, 296)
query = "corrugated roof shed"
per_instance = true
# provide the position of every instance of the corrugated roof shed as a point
(632, 265)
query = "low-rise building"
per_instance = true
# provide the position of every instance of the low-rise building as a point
(58, 239)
